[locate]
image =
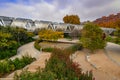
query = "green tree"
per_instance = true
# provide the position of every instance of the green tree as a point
(72, 19)
(18, 34)
(21, 35)
(92, 37)
(11, 38)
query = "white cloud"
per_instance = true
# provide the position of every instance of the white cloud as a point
(57, 9)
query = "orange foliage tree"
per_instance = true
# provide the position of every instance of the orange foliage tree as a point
(117, 23)
(72, 19)
(112, 21)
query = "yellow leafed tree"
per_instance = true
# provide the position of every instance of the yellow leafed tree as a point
(50, 34)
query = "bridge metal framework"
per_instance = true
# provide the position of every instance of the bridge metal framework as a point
(67, 28)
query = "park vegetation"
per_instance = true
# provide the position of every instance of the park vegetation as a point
(36, 44)
(58, 67)
(50, 34)
(71, 19)
(115, 39)
(11, 38)
(7, 66)
(111, 21)
(92, 37)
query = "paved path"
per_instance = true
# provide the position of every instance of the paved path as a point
(30, 50)
(26, 49)
(68, 41)
(113, 52)
(106, 69)
(39, 63)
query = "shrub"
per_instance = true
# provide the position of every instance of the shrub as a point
(64, 68)
(20, 63)
(39, 75)
(117, 32)
(7, 53)
(92, 37)
(77, 47)
(59, 67)
(48, 75)
(117, 40)
(11, 38)
(109, 39)
(49, 49)
(74, 48)
(114, 40)
(59, 63)
(6, 66)
(36, 44)
(50, 35)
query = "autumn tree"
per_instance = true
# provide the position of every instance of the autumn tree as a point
(92, 37)
(72, 19)
(117, 24)
(108, 21)
(50, 34)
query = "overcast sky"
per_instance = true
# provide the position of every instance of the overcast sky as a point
(55, 10)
